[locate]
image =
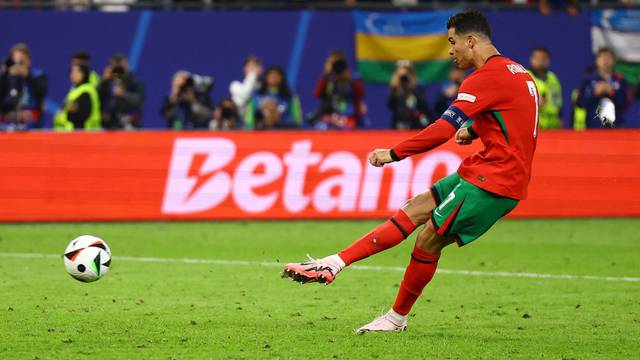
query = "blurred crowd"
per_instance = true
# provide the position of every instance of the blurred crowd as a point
(262, 99)
(544, 6)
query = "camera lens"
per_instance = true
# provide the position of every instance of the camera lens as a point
(339, 66)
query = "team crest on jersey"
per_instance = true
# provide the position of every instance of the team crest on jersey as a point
(466, 97)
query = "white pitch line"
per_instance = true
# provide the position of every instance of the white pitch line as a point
(355, 267)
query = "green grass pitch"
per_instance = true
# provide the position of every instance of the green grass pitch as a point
(234, 305)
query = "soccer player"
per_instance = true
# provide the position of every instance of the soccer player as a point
(502, 99)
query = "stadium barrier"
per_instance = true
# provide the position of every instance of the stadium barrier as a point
(106, 176)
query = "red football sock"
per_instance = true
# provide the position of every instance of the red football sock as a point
(386, 235)
(418, 274)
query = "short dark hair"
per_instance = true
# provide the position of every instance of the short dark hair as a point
(338, 53)
(117, 58)
(82, 56)
(603, 50)
(470, 21)
(541, 49)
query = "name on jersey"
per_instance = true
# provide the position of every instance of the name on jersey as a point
(516, 69)
(466, 97)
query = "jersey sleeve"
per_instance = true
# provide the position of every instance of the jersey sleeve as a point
(430, 137)
(476, 94)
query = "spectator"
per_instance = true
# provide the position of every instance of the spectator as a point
(121, 95)
(274, 89)
(187, 107)
(549, 89)
(22, 91)
(241, 91)
(407, 99)
(341, 96)
(82, 104)
(84, 58)
(226, 116)
(449, 90)
(546, 6)
(603, 84)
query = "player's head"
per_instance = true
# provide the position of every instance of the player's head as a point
(466, 32)
(540, 58)
(605, 59)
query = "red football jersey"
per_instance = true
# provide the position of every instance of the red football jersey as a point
(502, 98)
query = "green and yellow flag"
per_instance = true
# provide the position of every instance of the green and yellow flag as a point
(384, 38)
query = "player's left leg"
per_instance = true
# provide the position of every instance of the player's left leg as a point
(464, 214)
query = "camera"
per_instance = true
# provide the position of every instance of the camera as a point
(228, 113)
(404, 80)
(8, 62)
(201, 83)
(118, 71)
(188, 84)
(339, 66)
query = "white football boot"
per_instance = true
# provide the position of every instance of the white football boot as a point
(389, 322)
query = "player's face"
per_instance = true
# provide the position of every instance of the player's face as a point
(459, 51)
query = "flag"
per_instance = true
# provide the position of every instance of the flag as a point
(620, 31)
(384, 38)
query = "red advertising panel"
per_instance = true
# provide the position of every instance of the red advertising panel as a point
(287, 175)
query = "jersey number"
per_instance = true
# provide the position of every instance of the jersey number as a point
(534, 93)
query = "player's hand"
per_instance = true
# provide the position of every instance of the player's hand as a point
(463, 136)
(379, 157)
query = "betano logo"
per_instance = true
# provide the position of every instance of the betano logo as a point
(200, 179)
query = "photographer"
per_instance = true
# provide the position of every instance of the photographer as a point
(121, 96)
(449, 90)
(341, 96)
(225, 116)
(22, 91)
(406, 100)
(188, 106)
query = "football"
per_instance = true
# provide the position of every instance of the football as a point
(87, 258)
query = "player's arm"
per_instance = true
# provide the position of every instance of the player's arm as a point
(429, 138)
(468, 103)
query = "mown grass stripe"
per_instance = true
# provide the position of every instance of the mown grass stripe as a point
(354, 267)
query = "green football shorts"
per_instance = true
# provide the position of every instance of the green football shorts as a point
(464, 211)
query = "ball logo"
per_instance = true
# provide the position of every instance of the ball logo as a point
(206, 172)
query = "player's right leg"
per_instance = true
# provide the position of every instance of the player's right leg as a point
(419, 272)
(388, 234)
